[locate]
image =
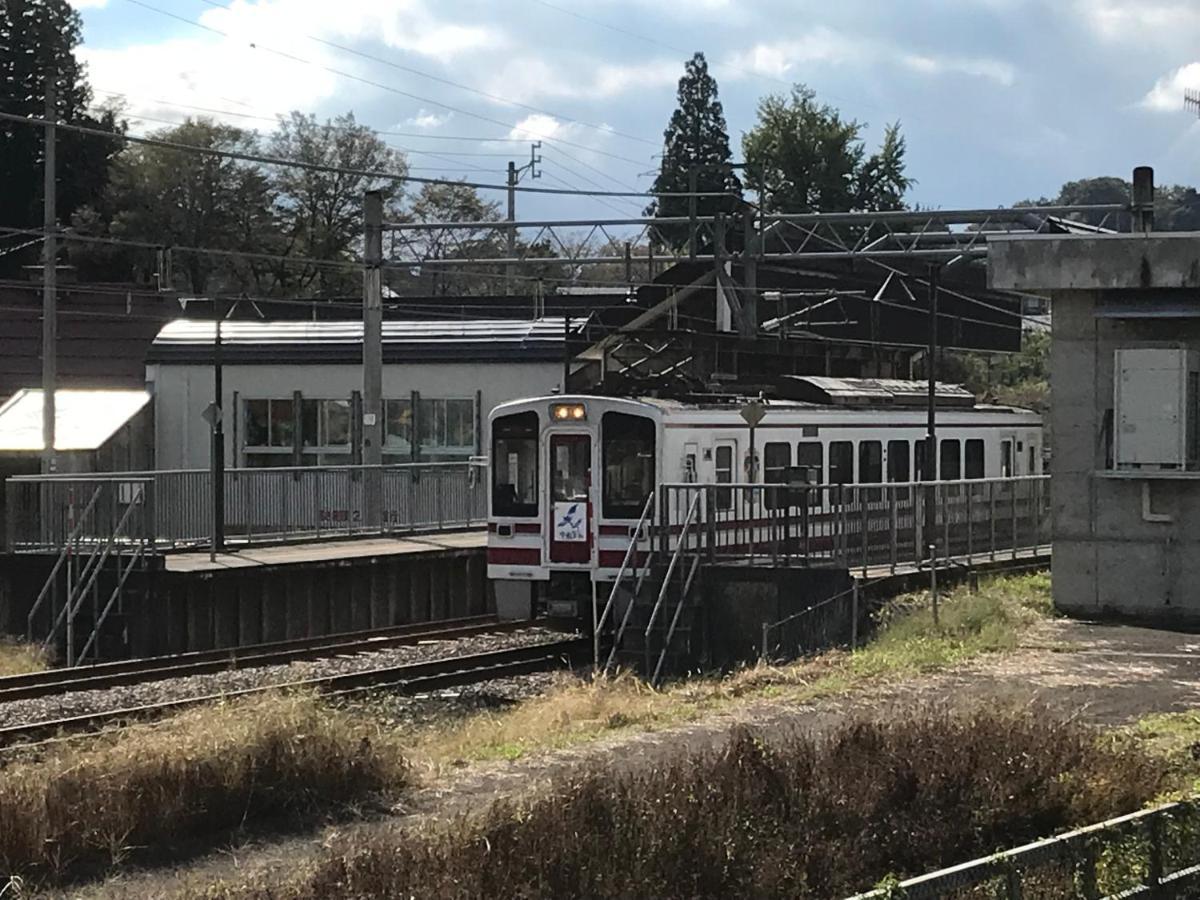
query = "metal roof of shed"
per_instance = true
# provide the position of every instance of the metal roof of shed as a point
(84, 420)
(476, 340)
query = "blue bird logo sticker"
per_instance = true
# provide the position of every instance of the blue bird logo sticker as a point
(569, 523)
(571, 520)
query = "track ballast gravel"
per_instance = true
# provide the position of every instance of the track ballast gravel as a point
(80, 703)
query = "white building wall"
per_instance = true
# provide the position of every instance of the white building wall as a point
(181, 392)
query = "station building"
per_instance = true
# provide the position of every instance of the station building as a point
(292, 389)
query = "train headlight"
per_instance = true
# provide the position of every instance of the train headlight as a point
(568, 412)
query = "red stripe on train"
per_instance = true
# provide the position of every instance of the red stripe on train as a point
(518, 527)
(514, 556)
(612, 559)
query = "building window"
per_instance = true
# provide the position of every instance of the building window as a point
(397, 430)
(325, 432)
(974, 460)
(269, 426)
(446, 430)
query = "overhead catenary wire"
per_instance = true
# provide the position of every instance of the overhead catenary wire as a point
(263, 159)
(512, 127)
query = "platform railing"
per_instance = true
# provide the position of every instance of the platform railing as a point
(261, 505)
(867, 528)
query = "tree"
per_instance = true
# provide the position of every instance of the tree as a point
(696, 139)
(455, 202)
(176, 198)
(1176, 207)
(320, 213)
(38, 37)
(802, 156)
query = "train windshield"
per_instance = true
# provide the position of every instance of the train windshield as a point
(628, 458)
(514, 465)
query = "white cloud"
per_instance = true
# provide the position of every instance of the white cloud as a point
(1140, 21)
(781, 59)
(528, 79)
(240, 71)
(1167, 93)
(426, 120)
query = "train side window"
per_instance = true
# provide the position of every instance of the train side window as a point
(950, 460)
(870, 467)
(777, 459)
(627, 450)
(1006, 459)
(723, 466)
(919, 454)
(810, 455)
(1032, 469)
(898, 462)
(515, 465)
(973, 464)
(841, 462)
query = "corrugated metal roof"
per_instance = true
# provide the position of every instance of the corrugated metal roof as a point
(84, 420)
(871, 391)
(265, 342)
(191, 332)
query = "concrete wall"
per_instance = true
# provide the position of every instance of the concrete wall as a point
(181, 392)
(1108, 558)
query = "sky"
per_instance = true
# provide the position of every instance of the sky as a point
(999, 100)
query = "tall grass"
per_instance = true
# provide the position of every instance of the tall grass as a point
(809, 816)
(18, 657)
(84, 806)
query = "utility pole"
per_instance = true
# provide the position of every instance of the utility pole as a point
(372, 392)
(217, 453)
(929, 469)
(514, 178)
(50, 282)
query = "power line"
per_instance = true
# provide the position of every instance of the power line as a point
(34, 121)
(342, 74)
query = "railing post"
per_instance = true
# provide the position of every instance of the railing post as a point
(970, 524)
(864, 529)
(933, 584)
(710, 521)
(854, 616)
(1012, 883)
(992, 519)
(893, 535)
(1087, 873)
(1154, 865)
(1015, 486)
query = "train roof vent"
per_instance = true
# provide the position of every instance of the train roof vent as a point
(870, 391)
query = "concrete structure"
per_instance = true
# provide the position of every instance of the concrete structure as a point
(1126, 531)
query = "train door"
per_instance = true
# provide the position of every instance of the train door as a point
(1008, 455)
(570, 498)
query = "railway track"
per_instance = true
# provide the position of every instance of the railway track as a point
(136, 671)
(409, 678)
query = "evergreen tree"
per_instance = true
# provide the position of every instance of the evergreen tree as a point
(38, 40)
(696, 137)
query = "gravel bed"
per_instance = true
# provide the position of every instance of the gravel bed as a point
(79, 703)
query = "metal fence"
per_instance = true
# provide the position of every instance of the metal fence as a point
(862, 527)
(1151, 853)
(174, 508)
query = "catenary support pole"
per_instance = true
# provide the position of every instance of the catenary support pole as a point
(372, 391)
(511, 232)
(929, 471)
(50, 282)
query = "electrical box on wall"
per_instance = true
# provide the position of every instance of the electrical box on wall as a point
(1155, 416)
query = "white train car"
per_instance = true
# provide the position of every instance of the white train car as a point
(570, 475)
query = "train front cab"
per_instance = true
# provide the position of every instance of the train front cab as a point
(569, 480)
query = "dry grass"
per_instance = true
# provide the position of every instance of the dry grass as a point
(807, 816)
(18, 657)
(907, 643)
(145, 789)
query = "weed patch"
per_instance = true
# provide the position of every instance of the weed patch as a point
(18, 657)
(84, 806)
(805, 817)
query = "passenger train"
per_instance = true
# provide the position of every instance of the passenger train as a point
(570, 474)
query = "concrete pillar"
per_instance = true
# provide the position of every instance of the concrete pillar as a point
(250, 625)
(360, 598)
(274, 610)
(200, 616)
(457, 575)
(297, 604)
(419, 579)
(341, 591)
(226, 613)
(318, 603)
(439, 589)
(380, 584)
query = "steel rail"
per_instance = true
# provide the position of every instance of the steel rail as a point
(156, 668)
(407, 679)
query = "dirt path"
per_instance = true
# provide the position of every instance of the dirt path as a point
(1104, 674)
